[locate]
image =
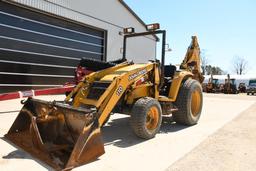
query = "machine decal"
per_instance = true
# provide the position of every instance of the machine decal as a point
(133, 76)
(119, 90)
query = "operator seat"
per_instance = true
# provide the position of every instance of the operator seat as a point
(169, 71)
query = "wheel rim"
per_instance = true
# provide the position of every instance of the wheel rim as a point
(152, 118)
(196, 102)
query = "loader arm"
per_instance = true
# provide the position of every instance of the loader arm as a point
(119, 80)
(121, 85)
(192, 60)
(92, 77)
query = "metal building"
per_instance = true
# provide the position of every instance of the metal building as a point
(41, 41)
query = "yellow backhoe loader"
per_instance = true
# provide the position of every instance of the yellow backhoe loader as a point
(67, 135)
(230, 86)
(213, 85)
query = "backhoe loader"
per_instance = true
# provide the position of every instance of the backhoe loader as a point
(213, 85)
(66, 135)
(230, 86)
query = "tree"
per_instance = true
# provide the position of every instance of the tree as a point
(204, 61)
(214, 70)
(209, 69)
(240, 65)
(217, 70)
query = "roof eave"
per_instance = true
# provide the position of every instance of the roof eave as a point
(136, 16)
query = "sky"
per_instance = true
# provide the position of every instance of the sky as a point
(225, 28)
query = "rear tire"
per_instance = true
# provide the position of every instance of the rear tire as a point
(189, 103)
(146, 117)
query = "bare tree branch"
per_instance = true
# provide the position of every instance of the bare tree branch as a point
(240, 65)
(204, 61)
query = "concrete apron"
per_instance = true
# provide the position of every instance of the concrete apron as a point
(124, 151)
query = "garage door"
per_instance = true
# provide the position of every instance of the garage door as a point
(38, 50)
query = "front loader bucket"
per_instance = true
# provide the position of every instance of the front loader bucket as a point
(58, 134)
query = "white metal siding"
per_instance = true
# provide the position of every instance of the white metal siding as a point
(110, 15)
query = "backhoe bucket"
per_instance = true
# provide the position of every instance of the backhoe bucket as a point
(56, 133)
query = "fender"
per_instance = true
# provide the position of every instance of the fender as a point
(176, 83)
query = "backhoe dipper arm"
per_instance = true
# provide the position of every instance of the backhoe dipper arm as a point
(192, 61)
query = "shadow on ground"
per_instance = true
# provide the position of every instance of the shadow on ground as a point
(20, 154)
(170, 126)
(17, 154)
(118, 132)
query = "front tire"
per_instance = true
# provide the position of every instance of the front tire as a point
(189, 103)
(146, 117)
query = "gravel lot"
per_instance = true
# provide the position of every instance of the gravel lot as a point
(170, 149)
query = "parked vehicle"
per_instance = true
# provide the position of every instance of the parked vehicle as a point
(213, 85)
(251, 89)
(242, 88)
(66, 135)
(230, 86)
